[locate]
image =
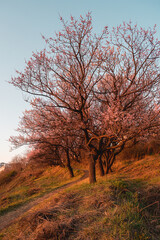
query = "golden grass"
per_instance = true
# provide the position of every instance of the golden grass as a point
(147, 168)
(123, 205)
(32, 184)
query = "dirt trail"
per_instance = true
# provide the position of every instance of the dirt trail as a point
(12, 216)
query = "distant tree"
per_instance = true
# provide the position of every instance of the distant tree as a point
(107, 88)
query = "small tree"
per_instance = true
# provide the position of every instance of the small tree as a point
(50, 134)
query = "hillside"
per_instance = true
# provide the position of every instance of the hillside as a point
(20, 187)
(120, 206)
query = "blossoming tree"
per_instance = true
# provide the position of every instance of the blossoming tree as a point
(109, 84)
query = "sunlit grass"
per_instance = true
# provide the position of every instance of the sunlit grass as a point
(122, 206)
(33, 187)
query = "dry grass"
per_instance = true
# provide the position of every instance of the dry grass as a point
(68, 214)
(106, 210)
(147, 168)
(121, 206)
(30, 184)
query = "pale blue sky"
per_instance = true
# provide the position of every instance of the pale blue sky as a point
(23, 21)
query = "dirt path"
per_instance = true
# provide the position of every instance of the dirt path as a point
(12, 216)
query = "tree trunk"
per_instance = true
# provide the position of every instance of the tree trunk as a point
(113, 160)
(69, 164)
(110, 163)
(101, 170)
(92, 170)
(107, 169)
(108, 158)
(70, 171)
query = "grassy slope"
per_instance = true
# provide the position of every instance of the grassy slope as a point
(31, 184)
(123, 205)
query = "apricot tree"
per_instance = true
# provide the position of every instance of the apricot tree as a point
(106, 86)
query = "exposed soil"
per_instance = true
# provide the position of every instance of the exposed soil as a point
(10, 217)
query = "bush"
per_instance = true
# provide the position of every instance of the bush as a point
(11, 170)
(7, 176)
(139, 150)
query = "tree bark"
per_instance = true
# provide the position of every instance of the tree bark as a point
(101, 170)
(110, 163)
(92, 170)
(69, 164)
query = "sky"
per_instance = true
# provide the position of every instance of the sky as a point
(22, 22)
